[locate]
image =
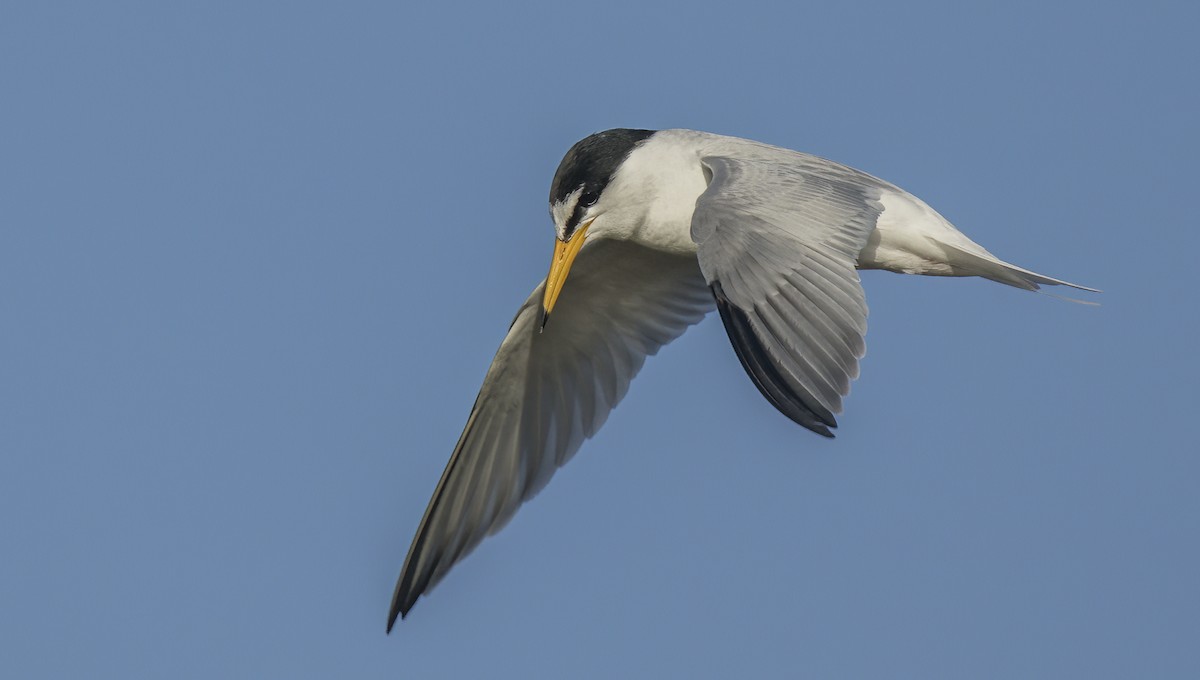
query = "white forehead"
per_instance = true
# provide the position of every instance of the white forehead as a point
(561, 211)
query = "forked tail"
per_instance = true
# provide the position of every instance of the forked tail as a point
(998, 270)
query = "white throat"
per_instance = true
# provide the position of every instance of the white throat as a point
(652, 196)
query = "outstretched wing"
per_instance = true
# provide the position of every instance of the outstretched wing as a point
(546, 392)
(778, 234)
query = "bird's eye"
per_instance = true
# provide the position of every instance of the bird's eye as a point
(588, 198)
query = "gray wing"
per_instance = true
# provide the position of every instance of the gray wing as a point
(778, 234)
(547, 392)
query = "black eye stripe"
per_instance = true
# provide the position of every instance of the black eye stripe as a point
(575, 216)
(586, 199)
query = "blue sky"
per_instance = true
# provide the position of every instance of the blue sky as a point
(254, 260)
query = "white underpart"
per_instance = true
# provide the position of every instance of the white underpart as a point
(912, 238)
(656, 188)
(652, 198)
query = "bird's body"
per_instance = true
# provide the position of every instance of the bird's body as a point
(656, 230)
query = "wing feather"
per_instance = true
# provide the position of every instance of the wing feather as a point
(546, 392)
(778, 234)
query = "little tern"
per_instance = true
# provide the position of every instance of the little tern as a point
(655, 229)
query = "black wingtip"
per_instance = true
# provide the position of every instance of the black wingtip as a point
(392, 621)
(421, 563)
(398, 612)
(762, 369)
(405, 596)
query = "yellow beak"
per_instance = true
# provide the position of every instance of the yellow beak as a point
(564, 255)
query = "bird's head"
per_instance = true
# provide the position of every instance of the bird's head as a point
(578, 202)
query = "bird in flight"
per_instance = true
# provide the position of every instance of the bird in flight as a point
(653, 230)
